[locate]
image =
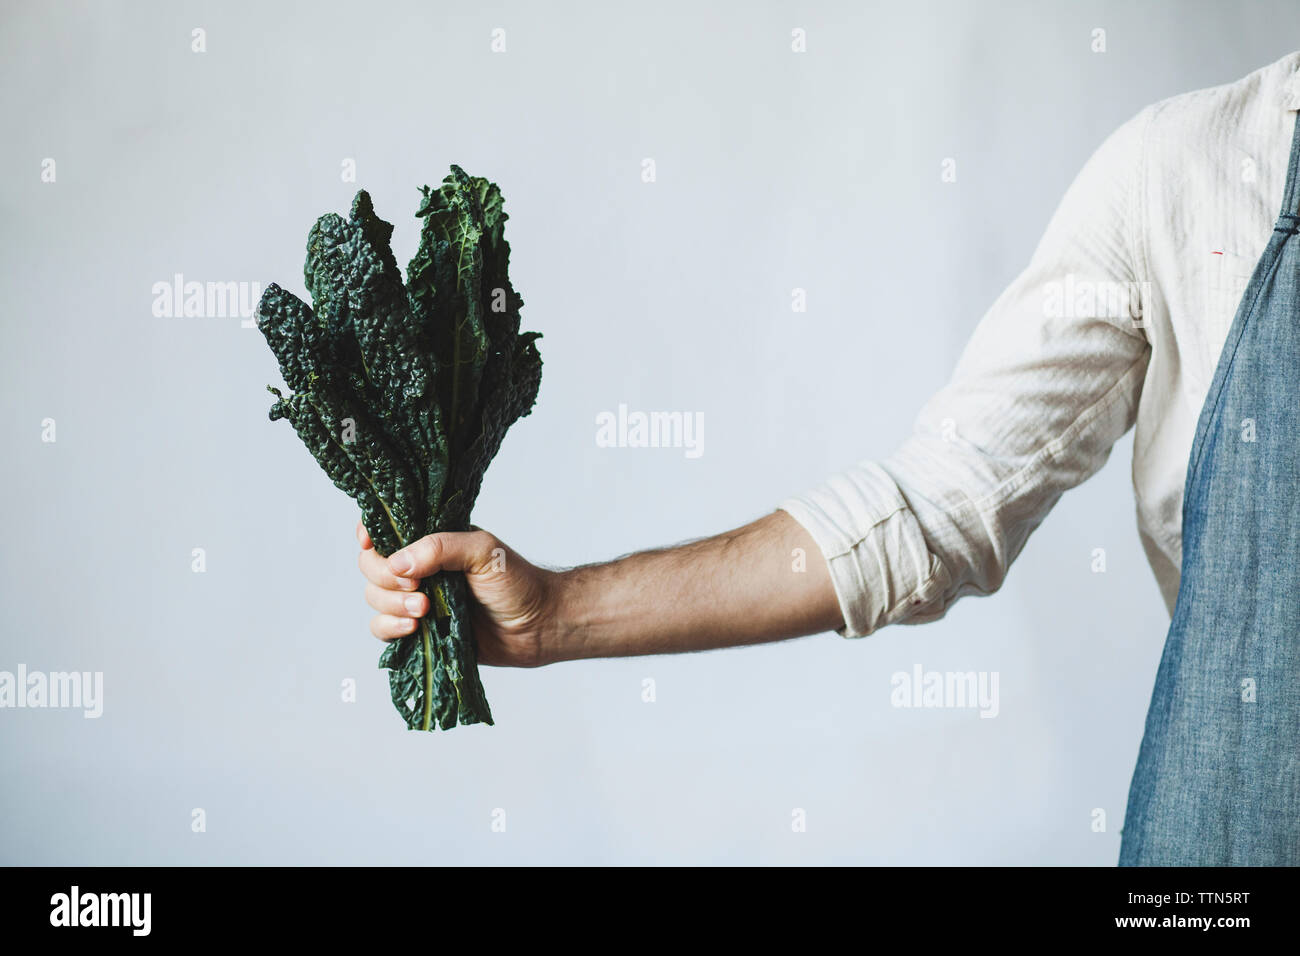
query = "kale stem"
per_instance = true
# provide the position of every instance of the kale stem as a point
(428, 676)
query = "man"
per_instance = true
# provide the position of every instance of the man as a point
(1120, 319)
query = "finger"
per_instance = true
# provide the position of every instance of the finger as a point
(389, 628)
(445, 551)
(376, 571)
(397, 603)
(363, 537)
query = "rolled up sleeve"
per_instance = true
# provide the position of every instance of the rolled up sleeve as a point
(1048, 382)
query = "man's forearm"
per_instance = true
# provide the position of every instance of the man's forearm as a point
(763, 582)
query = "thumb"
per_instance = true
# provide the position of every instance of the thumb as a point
(444, 551)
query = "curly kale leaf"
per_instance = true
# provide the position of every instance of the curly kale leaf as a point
(403, 393)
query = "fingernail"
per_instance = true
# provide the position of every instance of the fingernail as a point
(412, 604)
(401, 563)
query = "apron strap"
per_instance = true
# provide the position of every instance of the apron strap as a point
(1288, 220)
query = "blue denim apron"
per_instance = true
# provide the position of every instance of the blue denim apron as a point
(1218, 775)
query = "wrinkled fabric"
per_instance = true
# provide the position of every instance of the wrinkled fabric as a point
(1218, 775)
(1117, 322)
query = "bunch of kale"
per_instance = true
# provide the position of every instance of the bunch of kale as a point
(403, 394)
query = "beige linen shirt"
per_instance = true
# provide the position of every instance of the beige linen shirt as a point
(1117, 321)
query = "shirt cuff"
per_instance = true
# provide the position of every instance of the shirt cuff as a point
(882, 570)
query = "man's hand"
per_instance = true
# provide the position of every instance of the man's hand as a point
(514, 598)
(741, 587)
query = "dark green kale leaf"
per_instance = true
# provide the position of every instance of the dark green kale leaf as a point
(403, 394)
